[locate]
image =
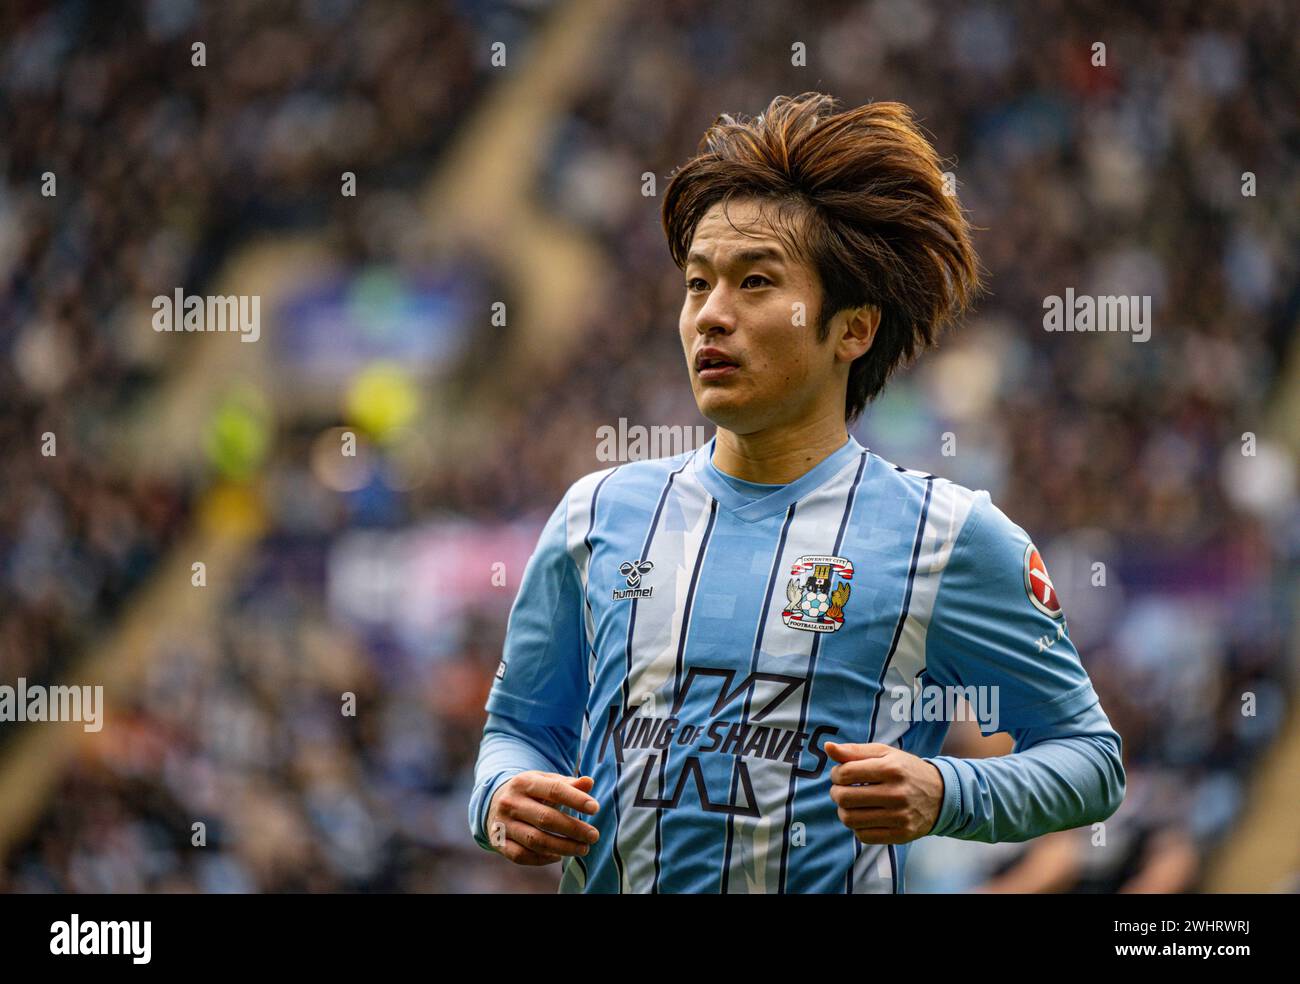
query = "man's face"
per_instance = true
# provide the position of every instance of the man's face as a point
(743, 297)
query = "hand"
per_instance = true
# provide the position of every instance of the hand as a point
(885, 795)
(523, 825)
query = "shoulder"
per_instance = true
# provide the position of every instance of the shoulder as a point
(629, 479)
(991, 561)
(949, 509)
(625, 490)
(963, 527)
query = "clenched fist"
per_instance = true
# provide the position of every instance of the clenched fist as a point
(885, 795)
(523, 824)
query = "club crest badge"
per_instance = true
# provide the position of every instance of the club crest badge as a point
(817, 593)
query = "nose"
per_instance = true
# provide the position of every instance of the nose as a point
(716, 315)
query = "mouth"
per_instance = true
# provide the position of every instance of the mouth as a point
(711, 365)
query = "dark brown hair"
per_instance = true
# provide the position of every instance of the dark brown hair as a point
(865, 188)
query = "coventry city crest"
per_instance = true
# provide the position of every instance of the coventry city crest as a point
(814, 600)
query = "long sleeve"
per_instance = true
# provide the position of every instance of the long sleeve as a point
(511, 746)
(998, 625)
(537, 700)
(1058, 777)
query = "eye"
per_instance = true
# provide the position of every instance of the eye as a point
(695, 280)
(754, 276)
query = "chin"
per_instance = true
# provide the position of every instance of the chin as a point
(726, 411)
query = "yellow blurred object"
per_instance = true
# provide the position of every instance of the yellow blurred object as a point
(239, 434)
(232, 509)
(382, 399)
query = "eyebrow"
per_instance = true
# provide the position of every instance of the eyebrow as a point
(754, 254)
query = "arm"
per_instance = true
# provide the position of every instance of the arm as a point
(1066, 770)
(1062, 776)
(537, 701)
(509, 747)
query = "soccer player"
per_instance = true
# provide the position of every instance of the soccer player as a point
(713, 669)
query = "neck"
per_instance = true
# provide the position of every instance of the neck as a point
(778, 455)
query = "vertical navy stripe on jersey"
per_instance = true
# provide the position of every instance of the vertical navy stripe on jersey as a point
(893, 648)
(808, 685)
(749, 696)
(627, 676)
(677, 680)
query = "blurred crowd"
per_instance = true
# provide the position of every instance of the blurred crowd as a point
(1124, 178)
(132, 165)
(243, 732)
(140, 146)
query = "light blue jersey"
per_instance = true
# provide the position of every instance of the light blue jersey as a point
(692, 641)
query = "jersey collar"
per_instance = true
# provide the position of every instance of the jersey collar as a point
(752, 510)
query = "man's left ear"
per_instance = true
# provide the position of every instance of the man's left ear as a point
(860, 326)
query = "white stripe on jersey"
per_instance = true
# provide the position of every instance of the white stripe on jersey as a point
(674, 547)
(757, 842)
(948, 508)
(579, 517)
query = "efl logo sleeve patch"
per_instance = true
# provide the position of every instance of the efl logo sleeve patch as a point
(1038, 584)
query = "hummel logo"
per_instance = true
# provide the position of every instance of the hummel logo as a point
(632, 571)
